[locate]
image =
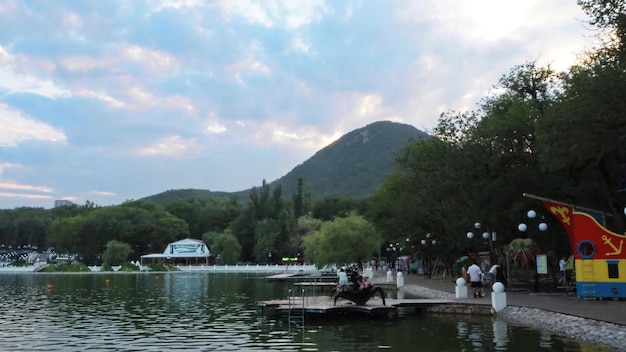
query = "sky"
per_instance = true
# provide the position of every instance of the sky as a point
(109, 101)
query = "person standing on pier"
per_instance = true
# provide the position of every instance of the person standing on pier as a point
(476, 279)
(342, 283)
(563, 270)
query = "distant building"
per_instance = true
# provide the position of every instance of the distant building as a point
(185, 252)
(63, 203)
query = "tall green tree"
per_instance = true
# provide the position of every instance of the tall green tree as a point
(301, 200)
(116, 253)
(351, 239)
(223, 245)
(584, 136)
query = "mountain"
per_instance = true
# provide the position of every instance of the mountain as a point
(354, 166)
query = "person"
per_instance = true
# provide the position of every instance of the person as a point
(464, 275)
(563, 269)
(363, 283)
(492, 272)
(476, 279)
(500, 277)
(342, 283)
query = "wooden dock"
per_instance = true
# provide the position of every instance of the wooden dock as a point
(317, 277)
(321, 305)
(384, 286)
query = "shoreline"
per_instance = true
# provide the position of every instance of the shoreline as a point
(597, 332)
(245, 268)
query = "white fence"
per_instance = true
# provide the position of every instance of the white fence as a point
(244, 268)
(251, 268)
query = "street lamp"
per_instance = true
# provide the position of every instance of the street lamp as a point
(540, 225)
(428, 242)
(470, 235)
(487, 235)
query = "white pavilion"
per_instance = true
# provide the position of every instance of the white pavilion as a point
(184, 252)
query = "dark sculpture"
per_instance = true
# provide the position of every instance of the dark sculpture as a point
(360, 297)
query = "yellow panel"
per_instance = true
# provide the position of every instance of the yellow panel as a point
(597, 270)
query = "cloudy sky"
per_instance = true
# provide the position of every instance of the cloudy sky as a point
(114, 100)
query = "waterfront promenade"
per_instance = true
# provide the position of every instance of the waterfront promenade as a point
(600, 322)
(611, 311)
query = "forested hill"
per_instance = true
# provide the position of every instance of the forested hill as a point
(353, 166)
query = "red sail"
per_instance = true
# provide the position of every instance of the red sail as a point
(565, 215)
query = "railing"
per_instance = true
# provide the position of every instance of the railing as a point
(292, 317)
(244, 268)
(251, 268)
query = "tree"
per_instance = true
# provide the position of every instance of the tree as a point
(300, 200)
(474, 168)
(305, 226)
(223, 245)
(190, 210)
(87, 234)
(116, 253)
(243, 228)
(593, 99)
(351, 239)
(609, 15)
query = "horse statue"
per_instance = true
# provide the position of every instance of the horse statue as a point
(360, 297)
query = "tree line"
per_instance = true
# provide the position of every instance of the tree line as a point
(263, 230)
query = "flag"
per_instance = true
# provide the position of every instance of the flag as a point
(565, 214)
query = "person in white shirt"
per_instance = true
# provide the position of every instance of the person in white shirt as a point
(342, 282)
(492, 273)
(476, 280)
(563, 269)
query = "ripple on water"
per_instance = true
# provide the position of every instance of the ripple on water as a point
(200, 312)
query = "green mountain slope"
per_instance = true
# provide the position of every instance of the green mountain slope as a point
(353, 166)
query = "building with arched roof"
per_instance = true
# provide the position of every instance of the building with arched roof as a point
(184, 252)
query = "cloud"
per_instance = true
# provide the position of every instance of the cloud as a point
(14, 190)
(25, 196)
(15, 186)
(16, 128)
(169, 146)
(95, 94)
(285, 13)
(104, 193)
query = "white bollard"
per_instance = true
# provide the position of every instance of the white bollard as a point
(370, 273)
(460, 291)
(498, 297)
(389, 276)
(400, 293)
(400, 280)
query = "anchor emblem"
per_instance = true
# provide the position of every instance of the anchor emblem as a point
(616, 250)
(563, 213)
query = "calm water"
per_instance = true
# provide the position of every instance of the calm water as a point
(218, 312)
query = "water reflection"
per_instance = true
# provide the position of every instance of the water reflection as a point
(500, 334)
(208, 311)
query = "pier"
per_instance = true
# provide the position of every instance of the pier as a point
(322, 305)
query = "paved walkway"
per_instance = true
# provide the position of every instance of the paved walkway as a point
(612, 311)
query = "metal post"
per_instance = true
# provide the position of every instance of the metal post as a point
(536, 287)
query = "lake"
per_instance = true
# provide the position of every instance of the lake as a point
(195, 311)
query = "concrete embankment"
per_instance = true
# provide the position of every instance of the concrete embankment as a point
(600, 331)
